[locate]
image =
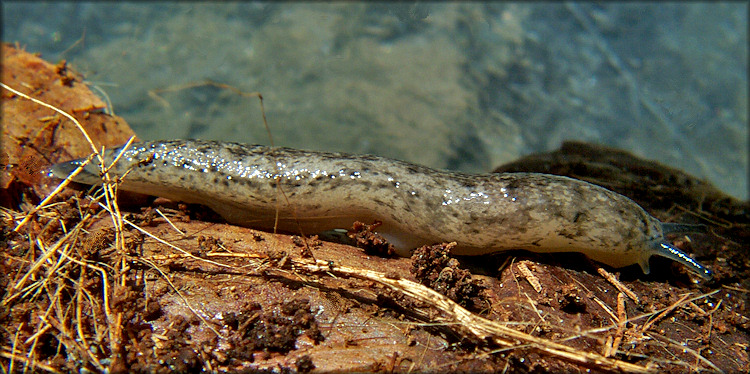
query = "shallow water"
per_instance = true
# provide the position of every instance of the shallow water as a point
(460, 86)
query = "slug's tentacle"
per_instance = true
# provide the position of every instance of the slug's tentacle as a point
(681, 228)
(666, 250)
(482, 213)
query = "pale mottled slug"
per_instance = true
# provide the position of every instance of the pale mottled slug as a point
(417, 205)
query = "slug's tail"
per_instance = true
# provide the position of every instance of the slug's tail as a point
(64, 169)
(665, 250)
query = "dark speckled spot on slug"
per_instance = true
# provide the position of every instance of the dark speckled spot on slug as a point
(369, 158)
(238, 152)
(577, 216)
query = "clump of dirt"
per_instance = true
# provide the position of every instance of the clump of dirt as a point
(433, 267)
(274, 330)
(210, 244)
(174, 351)
(366, 238)
(304, 364)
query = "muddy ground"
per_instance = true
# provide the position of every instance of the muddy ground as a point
(167, 287)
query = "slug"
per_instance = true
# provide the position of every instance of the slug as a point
(482, 213)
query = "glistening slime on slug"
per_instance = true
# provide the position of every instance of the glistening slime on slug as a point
(417, 205)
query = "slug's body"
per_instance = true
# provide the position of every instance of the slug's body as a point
(416, 205)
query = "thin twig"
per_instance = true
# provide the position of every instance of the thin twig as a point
(616, 282)
(666, 311)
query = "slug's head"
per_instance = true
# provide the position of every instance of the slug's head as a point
(659, 247)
